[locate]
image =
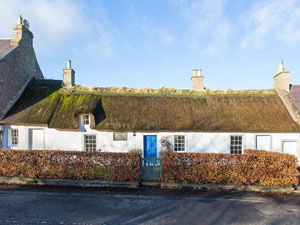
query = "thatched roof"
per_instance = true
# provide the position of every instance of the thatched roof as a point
(43, 103)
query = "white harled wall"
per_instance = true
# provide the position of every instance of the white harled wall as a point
(195, 141)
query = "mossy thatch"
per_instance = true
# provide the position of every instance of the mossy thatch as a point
(224, 113)
(162, 91)
(37, 104)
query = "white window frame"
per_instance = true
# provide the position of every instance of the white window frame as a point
(85, 119)
(84, 142)
(242, 144)
(184, 143)
(10, 137)
(119, 139)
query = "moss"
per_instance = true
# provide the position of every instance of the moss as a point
(153, 110)
(165, 92)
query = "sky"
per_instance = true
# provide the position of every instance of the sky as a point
(153, 43)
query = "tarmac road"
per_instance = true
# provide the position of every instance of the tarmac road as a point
(19, 205)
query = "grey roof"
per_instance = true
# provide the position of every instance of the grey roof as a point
(16, 70)
(294, 94)
(5, 46)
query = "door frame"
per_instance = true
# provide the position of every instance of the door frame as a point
(144, 144)
(30, 143)
(288, 140)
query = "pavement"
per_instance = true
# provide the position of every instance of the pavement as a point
(52, 205)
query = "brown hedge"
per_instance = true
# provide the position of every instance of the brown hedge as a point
(70, 164)
(253, 168)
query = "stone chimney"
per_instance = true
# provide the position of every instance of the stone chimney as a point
(282, 78)
(197, 80)
(22, 34)
(68, 76)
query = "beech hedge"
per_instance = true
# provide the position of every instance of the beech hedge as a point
(70, 164)
(255, 167)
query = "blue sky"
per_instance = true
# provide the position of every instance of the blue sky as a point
(154, 43)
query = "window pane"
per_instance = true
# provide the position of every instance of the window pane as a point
(14, 136)
(90, 142)
(179, 143)
(236, 144)
(86, 119)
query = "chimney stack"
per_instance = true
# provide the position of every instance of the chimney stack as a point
(282, 78)
(22, 34)
(68, 76)
(197, 80)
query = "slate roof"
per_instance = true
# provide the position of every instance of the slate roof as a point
(294, 94)
(16, 71)
(5, 46)
(45, 103)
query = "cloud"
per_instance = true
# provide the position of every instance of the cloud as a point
(269, 20)
(58, 22)
(100, 43)
(207, 24)
(153, 31)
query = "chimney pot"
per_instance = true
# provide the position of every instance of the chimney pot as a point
(20, 20)
(69, 64)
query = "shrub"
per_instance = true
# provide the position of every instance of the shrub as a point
(136, 151)
(70, 164)
(252, 168)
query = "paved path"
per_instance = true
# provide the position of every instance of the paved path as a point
(146, 206)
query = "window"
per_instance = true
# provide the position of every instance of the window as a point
(90, 143)
(120, 136)
(85, 119)
(14, 137)
(179, 143)
(236, 144)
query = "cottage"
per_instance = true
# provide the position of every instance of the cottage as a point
(56, 115)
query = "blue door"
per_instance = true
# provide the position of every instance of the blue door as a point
(150, 146)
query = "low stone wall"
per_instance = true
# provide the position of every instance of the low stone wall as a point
(223, 187)
(66, 182)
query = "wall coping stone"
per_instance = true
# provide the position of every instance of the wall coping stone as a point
(227, 187)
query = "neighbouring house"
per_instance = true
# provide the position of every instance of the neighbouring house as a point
(57, 115)
(18, 65)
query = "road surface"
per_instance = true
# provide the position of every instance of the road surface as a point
(144, 206)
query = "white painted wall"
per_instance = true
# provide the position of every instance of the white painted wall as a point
(195, 141)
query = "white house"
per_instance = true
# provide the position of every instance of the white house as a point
(56, 115)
